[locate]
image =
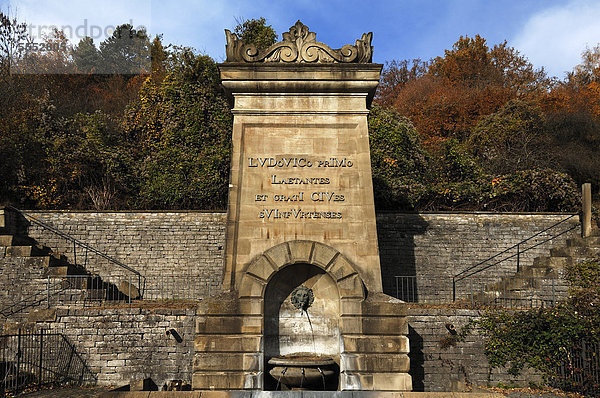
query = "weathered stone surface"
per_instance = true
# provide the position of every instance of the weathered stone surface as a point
(351, 287)
(300, 251)
(42, 315)
(299, 45)
(374, 363)
(326, 132)
(373, 325)
(225, 381)
(219, 324)
(251, 287)
(261, 268)
(248, 362)
(216, 343)
(322, 255)
(376, 344)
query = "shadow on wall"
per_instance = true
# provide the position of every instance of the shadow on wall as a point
(396, 234)
(417, 359)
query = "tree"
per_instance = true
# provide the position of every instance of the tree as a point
(469, 81)
(12, 34)
(255, 31)
(126, 51)
(396, 75)
(86, 56)
(511, 139)
(182, 125)
(399, 165)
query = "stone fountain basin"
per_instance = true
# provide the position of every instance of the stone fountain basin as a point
(303, 370)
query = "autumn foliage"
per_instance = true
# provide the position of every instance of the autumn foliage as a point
(131, 123)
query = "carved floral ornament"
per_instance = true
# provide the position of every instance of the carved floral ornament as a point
(299, 45)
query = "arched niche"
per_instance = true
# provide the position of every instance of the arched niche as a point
(289, 330)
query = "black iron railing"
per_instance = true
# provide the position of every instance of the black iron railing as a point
(84, 248)
(513, 252)
(580, 372)
(38, 359)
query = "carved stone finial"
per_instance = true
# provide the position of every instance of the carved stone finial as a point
(299, 45)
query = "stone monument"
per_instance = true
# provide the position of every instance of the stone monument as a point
(302, 279)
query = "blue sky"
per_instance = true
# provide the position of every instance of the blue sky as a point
(550, 33)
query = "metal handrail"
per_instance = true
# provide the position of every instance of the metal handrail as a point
(83, 245)
(467, 273)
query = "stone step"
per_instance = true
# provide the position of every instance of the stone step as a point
(574, 251)
(552, 261)
(26, 251)
(508, 284)
(538, 272)
(592, 241)
(58, 270)
(16, 240)
(6, 240)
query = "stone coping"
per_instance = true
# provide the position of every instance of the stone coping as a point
(377, 212)
(295, 394)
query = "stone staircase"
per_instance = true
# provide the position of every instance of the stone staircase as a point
(542, 283)
(32, 275)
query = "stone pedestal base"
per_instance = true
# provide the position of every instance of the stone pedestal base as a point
(229, 344)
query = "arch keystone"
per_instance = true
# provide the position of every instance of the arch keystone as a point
(301, 250)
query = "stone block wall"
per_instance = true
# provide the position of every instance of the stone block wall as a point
(21, 278)
(432, 247)
(179, 253)
(435, 368)
(121, 344)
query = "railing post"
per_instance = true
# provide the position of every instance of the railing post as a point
(40, 369)
(129, 296)
(48, 291)
(453, 289)
(518, 257)
(75, 253)
(586, 222)
(18, 359)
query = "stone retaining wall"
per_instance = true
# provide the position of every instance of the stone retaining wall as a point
(122, 344)
(183, 248)
(432, 247)
(179, 253)
(435, 368)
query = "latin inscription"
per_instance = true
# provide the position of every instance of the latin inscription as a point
(299, 162)
(314, 197)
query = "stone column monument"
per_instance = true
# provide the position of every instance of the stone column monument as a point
(302, 274)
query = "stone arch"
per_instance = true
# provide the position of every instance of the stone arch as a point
(260, 271)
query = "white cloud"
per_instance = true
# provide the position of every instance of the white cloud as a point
(556, 37)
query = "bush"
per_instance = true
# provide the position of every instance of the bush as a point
(544, 338)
